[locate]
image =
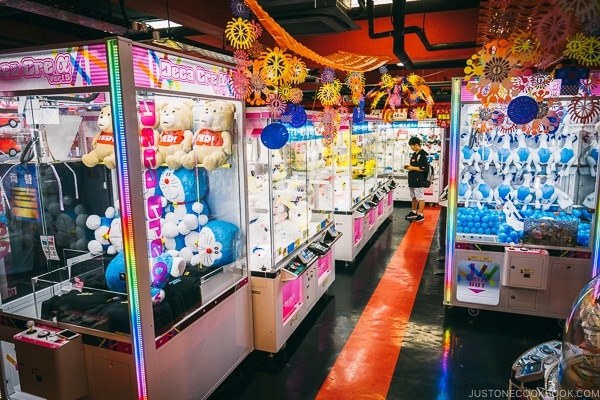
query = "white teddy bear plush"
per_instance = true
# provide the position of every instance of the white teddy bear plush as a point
(212, 142)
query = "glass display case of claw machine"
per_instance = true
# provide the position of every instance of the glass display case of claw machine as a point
(123, 221)
(361, 204)
(431, 136)
(522, 204)
(385, 170)
(291, 234)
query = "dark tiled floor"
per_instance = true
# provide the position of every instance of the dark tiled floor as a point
(446, 354)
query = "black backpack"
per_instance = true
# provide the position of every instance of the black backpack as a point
(429, 175)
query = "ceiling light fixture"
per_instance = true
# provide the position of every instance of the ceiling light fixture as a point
(354, 3)
(161, 24)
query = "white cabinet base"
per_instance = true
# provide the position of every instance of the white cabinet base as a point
(358, 227)
(477, 284)
(281, 302)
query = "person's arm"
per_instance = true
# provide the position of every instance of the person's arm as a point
(420, 167)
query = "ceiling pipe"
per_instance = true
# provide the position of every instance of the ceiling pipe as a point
(64, 15)
(400, 30)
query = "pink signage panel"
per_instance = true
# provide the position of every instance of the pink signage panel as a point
(324, 264)
(358, 229)
(291, 297)
(78, 66)
(155, 69)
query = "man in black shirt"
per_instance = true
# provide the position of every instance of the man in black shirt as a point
(416, 175)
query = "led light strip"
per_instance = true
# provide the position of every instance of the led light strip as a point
(596, 246)
(453, 155)
(126, 220)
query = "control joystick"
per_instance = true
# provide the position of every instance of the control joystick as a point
(30, 327)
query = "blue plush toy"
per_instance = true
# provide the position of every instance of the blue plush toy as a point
(217, 244)
(161, 268)
(182, 187)
(184, 211)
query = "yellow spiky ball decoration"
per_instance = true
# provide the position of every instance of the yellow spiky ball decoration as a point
(240, 33)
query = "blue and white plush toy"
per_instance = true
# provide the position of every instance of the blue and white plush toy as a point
(108, 235)
(183, 191)
(217, 244)
(184, 212)
(161, 268)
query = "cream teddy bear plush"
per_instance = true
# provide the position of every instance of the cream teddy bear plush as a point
(103, 143)
(175, 141)
(212, 142)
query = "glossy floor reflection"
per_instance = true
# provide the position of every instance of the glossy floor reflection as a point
(446, 354)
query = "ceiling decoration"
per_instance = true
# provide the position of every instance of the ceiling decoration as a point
(531, 52)
(343, 61)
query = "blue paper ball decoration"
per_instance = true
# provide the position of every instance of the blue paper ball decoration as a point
(274, 136)
(522, 110)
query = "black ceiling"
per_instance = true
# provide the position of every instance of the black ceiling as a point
(45, 22)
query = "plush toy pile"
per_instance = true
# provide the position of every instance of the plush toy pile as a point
(182, 231)
(188, 234)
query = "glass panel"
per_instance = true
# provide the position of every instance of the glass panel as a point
(290, 191)
(47, 193)
(523, 187)
(60, 232)
(191, 198)
(355, 159)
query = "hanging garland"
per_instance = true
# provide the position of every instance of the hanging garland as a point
(271, 76)
(340, 60)
(525, 42)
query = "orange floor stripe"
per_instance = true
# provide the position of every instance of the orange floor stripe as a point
(365, 366)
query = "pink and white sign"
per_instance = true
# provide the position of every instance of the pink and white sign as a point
(158, 70)
(79, 66)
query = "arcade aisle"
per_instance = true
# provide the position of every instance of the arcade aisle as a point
(382, 332)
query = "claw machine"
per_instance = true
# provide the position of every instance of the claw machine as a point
(522, 224)
(123, 266)
(361, 199)
(385, 172)
(431, 136)
(291, 232)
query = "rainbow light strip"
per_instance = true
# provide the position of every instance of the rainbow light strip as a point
(453, 155)
(126, 220)
(596, 246)
(443, 384)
